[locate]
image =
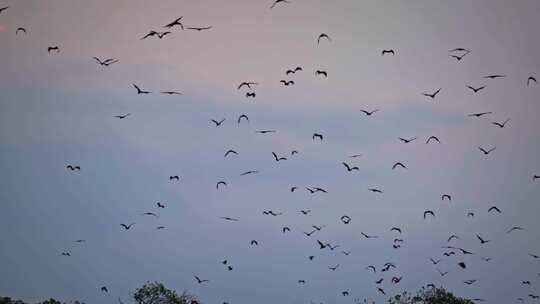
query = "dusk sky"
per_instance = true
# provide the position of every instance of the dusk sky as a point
(59, 108)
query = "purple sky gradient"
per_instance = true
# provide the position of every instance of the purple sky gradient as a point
(58, 109)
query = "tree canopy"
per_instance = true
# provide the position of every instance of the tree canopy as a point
(429, 296)
(157, 293)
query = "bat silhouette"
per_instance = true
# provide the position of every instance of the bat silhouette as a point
(243, 116)
(171, 93)
(432, 95)
(460, 50)
(317, 135)
(199, 28)
(105, 62)
(321, 36)
(20, 29)
(176, 177)
(278, 158)
(371, 267)
(53, 48)
(375, 190)
(494, 208)
(230, 152)
(486, 152)
(476, 89)
(404, 140)
(174, 23)
(320, 72)
(434, 138)
(453, 236)
(310, 233)
(482, 241)
(396, 280)
(251, 94)
(479, 114)
(272, 213)
(398, 164)
(349, 168)
(463, 251)
(369, 113)
(230, 219)
(127, 227)
(217, 123)
(514, 229)
(247, 84)
(500, 125)
(73, 168)
(457, 57)
(428, 212)
(317, 189)
(369, 236)
(160, 35)
(199, 280)
(122, 116)
(531, 78)
(396, 229)
(293, 71)
(384, 52)
(287, 83)
(277, 2)
(321, 245)
(442, 273)
(494, 76)
(139, 91)
(332, 248)
(249, 172)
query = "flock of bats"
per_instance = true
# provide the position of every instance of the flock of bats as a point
(449, 251)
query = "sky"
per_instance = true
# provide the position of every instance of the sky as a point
(58, 109)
